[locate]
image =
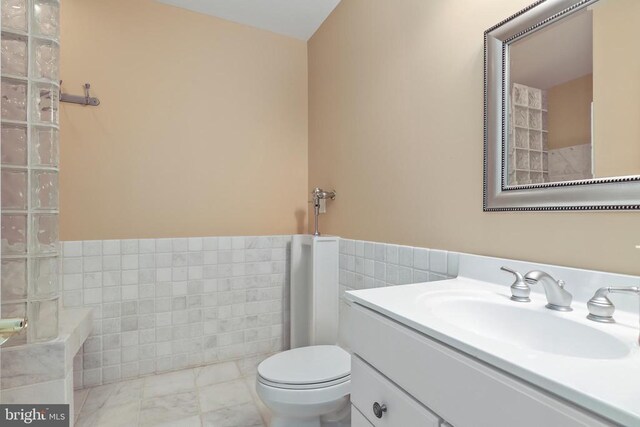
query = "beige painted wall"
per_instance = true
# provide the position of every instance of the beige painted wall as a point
(616, 91)
(395, 126)
(202, 128)
(569, 113)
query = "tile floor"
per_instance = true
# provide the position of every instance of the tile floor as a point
(215, 395)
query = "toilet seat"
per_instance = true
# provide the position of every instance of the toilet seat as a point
(304, 368)
(304, 386)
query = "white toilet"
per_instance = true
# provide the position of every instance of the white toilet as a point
(309, 385)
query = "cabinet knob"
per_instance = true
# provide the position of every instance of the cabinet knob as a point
(379, 410)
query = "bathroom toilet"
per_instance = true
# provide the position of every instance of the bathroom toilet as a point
(309, 385)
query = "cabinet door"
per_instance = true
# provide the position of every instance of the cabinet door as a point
(458, 388)
(357, 419)
(383, 403)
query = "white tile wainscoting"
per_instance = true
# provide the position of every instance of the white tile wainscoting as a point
(168, 304)
(372, 265)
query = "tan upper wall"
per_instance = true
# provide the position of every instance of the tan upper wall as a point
(395, 126)
(202, 128)
(570, 112)
(616, 87)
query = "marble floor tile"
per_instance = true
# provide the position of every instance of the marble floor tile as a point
(111, 416)
(170, 383)
(170, 407)
(264, 411)
(218, 396)
(97, 397)
(126, 391)
(223, 397)
(193, 421)
(79, 397)
(218, 373)
(245, 415)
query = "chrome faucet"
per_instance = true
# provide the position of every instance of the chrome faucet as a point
(519, 289)
(557, 296)
(601, 308)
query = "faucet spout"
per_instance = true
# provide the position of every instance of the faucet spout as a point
(558, 298)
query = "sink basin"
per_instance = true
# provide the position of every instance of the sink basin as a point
(525, 325)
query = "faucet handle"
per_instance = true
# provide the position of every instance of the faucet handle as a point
(601, 308)
(520, 291)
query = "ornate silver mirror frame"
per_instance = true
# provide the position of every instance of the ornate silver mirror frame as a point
(619, 193)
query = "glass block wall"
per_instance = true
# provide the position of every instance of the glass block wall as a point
(29, 150)
(528, 156)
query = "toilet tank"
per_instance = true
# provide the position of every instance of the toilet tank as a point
(314, 290)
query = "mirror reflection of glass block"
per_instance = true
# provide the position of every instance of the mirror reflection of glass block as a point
(14, 189)
(535, 98)
(522, 178)
(46, 103)
(522, 159)
(16, 310)
(520, 116)
(14, 145)
(14, 14)
(44, 190)
(510, 160)
(535, 159)
(46, 55)
(536, 178)
(14, 234)
(545, 176)
(522, 138)
(14, 279)
(45, 18)
(45, 149)
(543, 100)
(14, 100)
(44, 277)
(545, 162)
(535, 119)
(545, 123)
(14, 54)
(44, 234)
(535, 140)
(520, 96)
(545, 141)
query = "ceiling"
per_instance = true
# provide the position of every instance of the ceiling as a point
(293, 18)
(556, 54)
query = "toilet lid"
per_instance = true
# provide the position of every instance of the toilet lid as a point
(306, 365)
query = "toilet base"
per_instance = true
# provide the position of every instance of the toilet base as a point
(294, 422)
(339, 419)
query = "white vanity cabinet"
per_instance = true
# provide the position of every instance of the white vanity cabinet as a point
(417, 377)
(393, 407)
(357, 419)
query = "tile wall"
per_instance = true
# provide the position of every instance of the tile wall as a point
(166, 304)
(366, 265)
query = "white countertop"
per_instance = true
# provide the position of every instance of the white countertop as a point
(608, 387)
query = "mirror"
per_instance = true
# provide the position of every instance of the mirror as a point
(562, 107)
